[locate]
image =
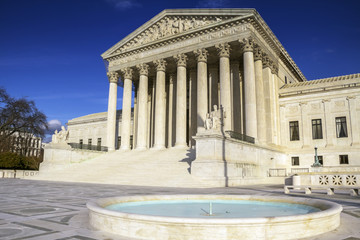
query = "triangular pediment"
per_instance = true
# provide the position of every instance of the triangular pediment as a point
(174, 23)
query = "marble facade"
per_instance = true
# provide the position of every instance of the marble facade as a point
(183, 62)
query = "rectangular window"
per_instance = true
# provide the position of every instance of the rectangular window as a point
(294, 130)
(89, 143)
(119, 142)
(80, 143)
(344, 159)
(295, 161)
(131, 142)
(320, 160)
(98, 144)
(316, 129)
(341, 129)
(285, 80)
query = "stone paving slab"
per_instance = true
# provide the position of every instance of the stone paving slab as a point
(45, 210)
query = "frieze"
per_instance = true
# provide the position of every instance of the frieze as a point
(169, 26)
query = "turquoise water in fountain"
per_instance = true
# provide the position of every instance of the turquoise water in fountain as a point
(213, 208)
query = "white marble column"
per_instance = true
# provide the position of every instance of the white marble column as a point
(171, 110)
(225, 90)
(193, 107)
(136, 106)
(111, 116)
(202, 88)
(260, 102)
(236, 95)
(181, 60)
(143, 113)
(213, 87)
(250, 92)
(267, 80)
(126, 110)
(160, 105)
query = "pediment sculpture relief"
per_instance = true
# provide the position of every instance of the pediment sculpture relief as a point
(168, 26)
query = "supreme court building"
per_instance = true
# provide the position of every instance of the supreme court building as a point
(182, 62)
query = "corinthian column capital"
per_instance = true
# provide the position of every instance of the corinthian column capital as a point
(223, 49)
(160, 65)
(267, 62)
(258, 54)
(274, 68)
(181, 59)
(201, 55)
(143, 69)
(247, 44)
(113, 77)
(128, 73)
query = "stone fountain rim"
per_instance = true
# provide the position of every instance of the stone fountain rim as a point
(327, 209)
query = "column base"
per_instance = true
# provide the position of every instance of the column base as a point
(158, 147)
(125, 148)
(180, 145)
(111, 149)
(140, 148)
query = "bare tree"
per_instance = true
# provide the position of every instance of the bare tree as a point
(20, 118)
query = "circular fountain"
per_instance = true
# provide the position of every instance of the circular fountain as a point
(213, 217)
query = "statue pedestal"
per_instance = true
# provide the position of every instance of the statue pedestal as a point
(222, 161)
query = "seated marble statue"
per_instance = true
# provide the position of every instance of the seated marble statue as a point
(60, 137)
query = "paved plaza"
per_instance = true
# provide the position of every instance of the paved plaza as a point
(45, 210)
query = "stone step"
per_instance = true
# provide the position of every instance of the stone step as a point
(167, 167)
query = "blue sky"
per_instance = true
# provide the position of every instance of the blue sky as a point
(50, 49)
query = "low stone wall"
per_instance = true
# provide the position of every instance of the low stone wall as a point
(10, 173)
(59, 156)
(224, 161)
(331, 176)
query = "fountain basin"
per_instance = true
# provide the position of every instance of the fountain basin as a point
(145, 226)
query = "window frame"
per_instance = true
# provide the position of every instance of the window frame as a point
(316, 128)
(294, 131)
(294, 159)
(341, 125)
(341, 161)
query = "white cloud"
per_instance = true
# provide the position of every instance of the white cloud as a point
(213, 3)
(53, 125)
(124, 4)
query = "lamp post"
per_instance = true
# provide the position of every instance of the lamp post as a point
(317, 163)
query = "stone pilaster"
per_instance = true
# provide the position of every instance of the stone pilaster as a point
(111, 116)
(202, 98)
(353, 121)
(181, 60)
(260, 102)
(305, 130)
(143, 113)
(329, 124)
(160, 104)
(126, 109)
(225, 90)
(249, 86)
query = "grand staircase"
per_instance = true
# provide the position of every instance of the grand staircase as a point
(168, 167)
